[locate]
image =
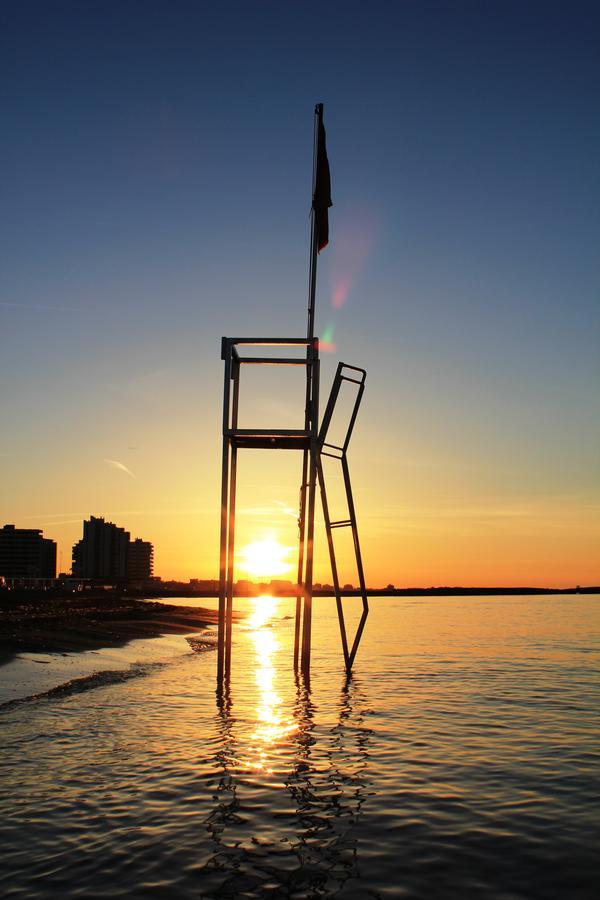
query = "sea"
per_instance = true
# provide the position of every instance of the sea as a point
(459, 760)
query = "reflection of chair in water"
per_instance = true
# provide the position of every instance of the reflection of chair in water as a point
(329, 785)
(302, 844)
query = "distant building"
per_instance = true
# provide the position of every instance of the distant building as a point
(24, 553)
(204, 584)
(244, 587)
(107, 553)
(281, 586)
(140, 560)
(172, 585)
(102, 552)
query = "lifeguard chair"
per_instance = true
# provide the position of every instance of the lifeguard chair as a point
(313, 443)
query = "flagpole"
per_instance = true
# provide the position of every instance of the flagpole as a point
(312, 281)
(309, 415)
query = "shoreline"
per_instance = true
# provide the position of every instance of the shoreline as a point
(75, 624)
(34, 621)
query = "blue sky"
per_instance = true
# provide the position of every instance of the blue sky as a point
(156, 164)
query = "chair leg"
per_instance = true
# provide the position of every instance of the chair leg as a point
(223, 563)
(230, 562)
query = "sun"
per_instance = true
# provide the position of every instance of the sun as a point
(267, 557)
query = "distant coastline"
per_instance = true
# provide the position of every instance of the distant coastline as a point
(383, 592)
(17, 596)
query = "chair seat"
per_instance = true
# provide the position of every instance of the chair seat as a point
(270, 438)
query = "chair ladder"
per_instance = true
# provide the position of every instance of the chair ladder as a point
(333, 451)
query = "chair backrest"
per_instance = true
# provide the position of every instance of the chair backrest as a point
(356, 376)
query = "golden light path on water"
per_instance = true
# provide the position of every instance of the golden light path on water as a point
(272, 726)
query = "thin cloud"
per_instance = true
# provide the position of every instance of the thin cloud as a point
(287, 510)
(120, 466)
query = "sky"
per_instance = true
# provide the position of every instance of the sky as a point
(156, 167)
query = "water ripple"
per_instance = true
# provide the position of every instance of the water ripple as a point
(452, 765)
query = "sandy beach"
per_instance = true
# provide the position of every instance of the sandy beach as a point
(67, 624)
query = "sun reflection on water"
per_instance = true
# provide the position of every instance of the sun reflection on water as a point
(272, 724)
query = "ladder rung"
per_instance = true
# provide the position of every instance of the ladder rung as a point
(272, 361)
(354, 368)
(343, 523)
(333, 446)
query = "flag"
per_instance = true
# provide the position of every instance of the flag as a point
(322, 195)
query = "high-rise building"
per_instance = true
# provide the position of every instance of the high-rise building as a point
(106, 552)
(24, 553)
(140, 560)
(102, 552)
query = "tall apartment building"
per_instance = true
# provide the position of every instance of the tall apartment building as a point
(140, 561)
(106, 552)
(24, 553)
(102, 552)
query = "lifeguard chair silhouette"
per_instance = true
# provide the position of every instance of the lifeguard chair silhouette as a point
(311, 440)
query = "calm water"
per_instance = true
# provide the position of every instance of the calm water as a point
(461, 760)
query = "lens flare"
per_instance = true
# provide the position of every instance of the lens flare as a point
(326, 342)
(354, 243)
(355, 239)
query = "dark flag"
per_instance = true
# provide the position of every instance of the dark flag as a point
(322, 194)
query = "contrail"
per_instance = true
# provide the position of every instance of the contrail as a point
(119, 465)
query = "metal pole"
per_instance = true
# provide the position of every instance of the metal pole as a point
(310, 528)
(310, 412)
(310, 332)
(224, 515)
(231, 537)
(230, 552)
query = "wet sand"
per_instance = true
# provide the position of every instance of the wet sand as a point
(62, 625)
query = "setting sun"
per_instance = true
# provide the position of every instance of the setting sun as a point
(265, 558)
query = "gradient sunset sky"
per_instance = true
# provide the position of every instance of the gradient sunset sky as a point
(156, 166)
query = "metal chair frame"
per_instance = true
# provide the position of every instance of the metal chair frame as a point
(312, 442)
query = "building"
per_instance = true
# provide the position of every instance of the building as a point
(107, 553)
(102, 553)
(279, 586)
(211, 585)
(24, 553)
(140, 560)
